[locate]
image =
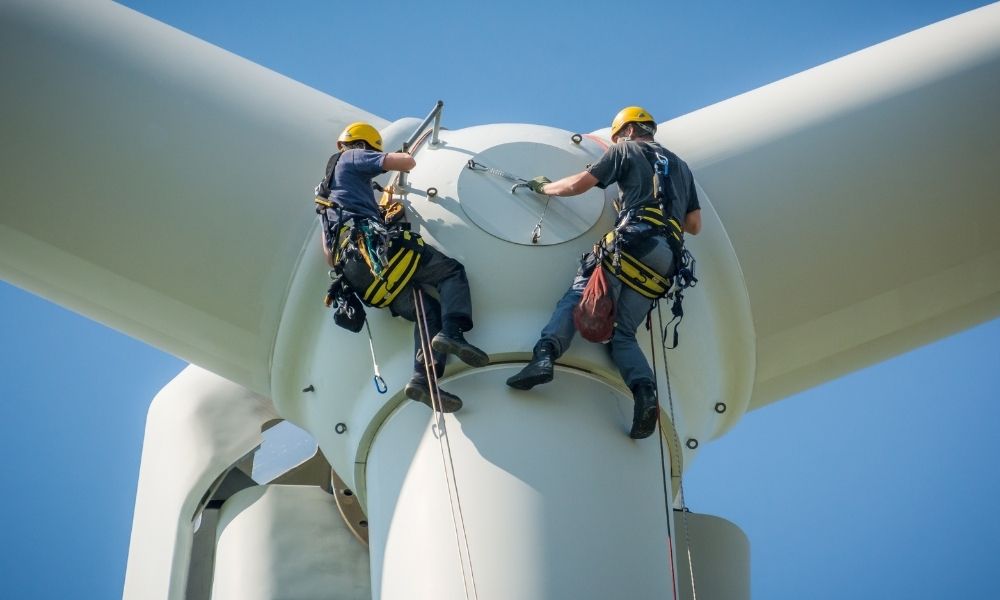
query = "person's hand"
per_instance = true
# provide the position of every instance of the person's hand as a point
(538, 183)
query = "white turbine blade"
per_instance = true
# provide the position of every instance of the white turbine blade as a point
(861, 198)
(154, 182)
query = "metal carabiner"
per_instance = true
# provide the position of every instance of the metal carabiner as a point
(380, 385)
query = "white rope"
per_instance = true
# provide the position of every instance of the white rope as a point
(444, 445)
(680, 476)
(663, 469)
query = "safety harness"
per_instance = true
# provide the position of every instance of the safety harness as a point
(377, 261)
(371, 258)
(633, 272)
(629, 269)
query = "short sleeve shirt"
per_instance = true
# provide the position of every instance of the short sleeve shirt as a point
(626, 163)
(351, 186)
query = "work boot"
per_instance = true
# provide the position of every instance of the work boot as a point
(454, 343)
(418, 389)
(536, 372)
(647, 410)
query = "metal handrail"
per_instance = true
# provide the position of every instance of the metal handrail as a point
(434, 115)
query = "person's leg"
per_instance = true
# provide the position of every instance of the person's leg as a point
(432, 317)
(560, 330)
(631, 310)
(448, 276)
(554, 340)
(419, 388)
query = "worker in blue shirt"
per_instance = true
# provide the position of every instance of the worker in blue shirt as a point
(348, 187)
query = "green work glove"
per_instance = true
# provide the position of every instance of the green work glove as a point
(537, 183)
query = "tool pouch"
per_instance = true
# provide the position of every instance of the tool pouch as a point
(348, 311)
(594, 315)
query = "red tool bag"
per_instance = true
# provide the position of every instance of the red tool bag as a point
(594, 316)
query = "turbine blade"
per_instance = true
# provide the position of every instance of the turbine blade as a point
(154, 182)
(861, 199)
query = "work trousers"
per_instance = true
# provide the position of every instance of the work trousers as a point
(631, 309)
(444, 277)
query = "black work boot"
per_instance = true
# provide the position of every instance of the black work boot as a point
(647, 410)
(418, 389)
(536, 372)
(453, 342)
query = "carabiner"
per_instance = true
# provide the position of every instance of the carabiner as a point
(380, 385)
(536, 233)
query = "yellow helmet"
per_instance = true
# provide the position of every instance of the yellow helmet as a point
(360, 131)
(630, 114)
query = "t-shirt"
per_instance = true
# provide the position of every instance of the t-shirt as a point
(626, 164)
(351, 185)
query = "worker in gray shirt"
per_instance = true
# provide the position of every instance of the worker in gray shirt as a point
(645, 233)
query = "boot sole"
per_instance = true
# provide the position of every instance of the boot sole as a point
(529, 381)
(470, 355)
(646, 425)
(449, 402)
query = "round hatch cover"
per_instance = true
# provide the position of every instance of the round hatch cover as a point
(523, 215)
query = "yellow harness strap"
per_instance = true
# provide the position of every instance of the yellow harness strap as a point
(654, 216)
(632, 271)
(402, 265)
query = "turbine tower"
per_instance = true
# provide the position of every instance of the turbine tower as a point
(519, 495)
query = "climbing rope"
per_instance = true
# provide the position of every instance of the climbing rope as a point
(680, 476)
(663, 465)
(444, 445)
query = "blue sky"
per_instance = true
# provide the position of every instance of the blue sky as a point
(878, 485)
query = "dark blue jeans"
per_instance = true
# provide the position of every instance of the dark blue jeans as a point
(631, 309)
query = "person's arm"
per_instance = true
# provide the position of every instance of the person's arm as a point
(692, 222)
(570, 186)
(398, 161)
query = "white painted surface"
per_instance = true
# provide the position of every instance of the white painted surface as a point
(514, 289)
(197, 427)
(557, 501)
(720, 555)
(278, 542)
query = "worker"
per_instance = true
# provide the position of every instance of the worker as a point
(629, 162)
(347, 186)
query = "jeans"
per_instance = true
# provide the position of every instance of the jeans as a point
(631, 309)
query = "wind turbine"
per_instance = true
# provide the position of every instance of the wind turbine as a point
(185, 105)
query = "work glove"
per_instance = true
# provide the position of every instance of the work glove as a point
(537, 183)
